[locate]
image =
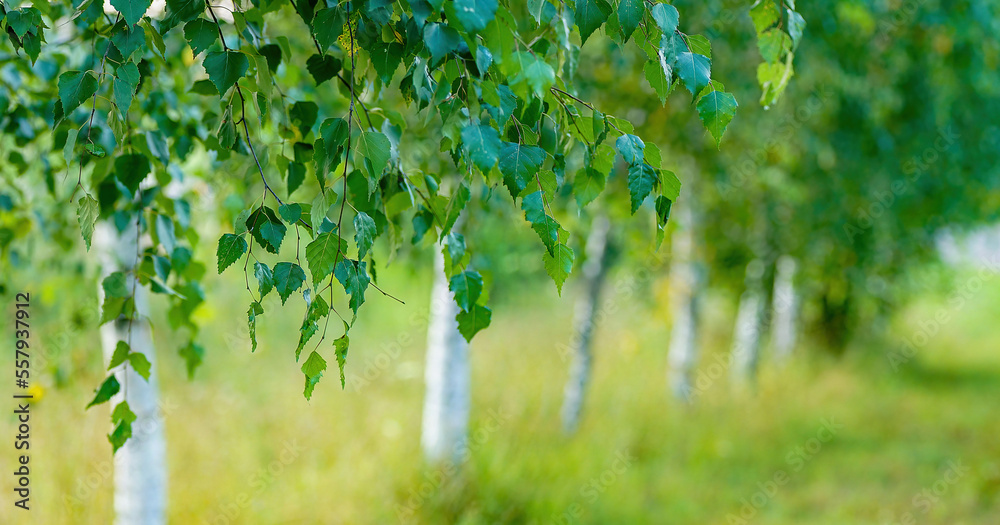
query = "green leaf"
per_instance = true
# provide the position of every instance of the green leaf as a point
(716, 110)
(131, 10)
(534, 71)
(140, 364)
(590, 15)
(95, 149)
(200, 34)
(192, 354)
(354, 277)
(327, 25)
(364, 233)
(291, 213)
(773, 44)
(323, 67)
(764, 15)
(125, 83)
(87, 212)
(475, 15)
(75, 87)
(231, 248)
(656, 76)
(440, 40)
(385, 59)
(122, 419)
(341, 345)
(127, 40)
(482, 143)
(630, 147)
(519, 164)
(588, 185)
(641, 180)
(467, 286)
(694, 70)
(121, 354)
(313, 369)
(630, 13)
(796, 26)
(116, 285)
(671, 185)
(666, 17)
(321, 254)
(288, 277)
(252, 313)
(131, 169)
(662, 216)
(545, 226)
(471, 322)
(559, 264)
(224, 68)
(108, 388)
(265, 279)
(317, 310)
(374, 146)
(266, 228)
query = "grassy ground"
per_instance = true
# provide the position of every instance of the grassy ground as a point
(821, 441)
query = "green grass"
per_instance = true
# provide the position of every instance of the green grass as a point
(639, 456)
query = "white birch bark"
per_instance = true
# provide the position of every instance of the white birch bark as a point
(594, 273)
(140, 465)
(446, 400)
(749, 325)
(785, 305)
(685, 296)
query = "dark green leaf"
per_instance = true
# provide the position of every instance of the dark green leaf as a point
(471, 322)
(340, 345)
(265, 279)
(475, 14)
(231, 248)
(364, 233)
(323, 67)
(519, 164)
(694, 70)
(288, 277)
(467, 286)
(75, 87)
(630, 147)
(322, 254)
(630, 13)
(108, 388)
(590, 15)
(252, 313)
(641, 180)
(131, 10)
(266, 229)
(716, 109)
(225, 68)
(665, 16)
(327, 25)
(201, 34)
(482, 144)
(354, 277)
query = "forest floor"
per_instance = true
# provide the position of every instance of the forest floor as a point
(824, 440)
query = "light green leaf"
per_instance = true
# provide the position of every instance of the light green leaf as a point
(354, 277)
(545, 226)
(255, 309)
(87, 212)
(116, 285)
(321, 254)
(125, 83)
(559, 264)
(341, 345)
(291, 213)
(317, 310)
(374, 147)
(588, 185)
(665, 16)
(121, 354)
(140, 364)
(122, 419)
(265, 279)
(313, 369)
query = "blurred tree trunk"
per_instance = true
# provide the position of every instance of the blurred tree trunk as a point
(750, 321)
(595, 271)
(685, 296)
(446, 401)
(140, 465)
(786, 309)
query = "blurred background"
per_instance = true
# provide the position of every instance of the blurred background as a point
(814, 341)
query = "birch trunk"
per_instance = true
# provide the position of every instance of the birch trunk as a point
(749, 325)
(785, 305)
(685, 296)
(594, 273)
(446, 401)
(140, 467)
